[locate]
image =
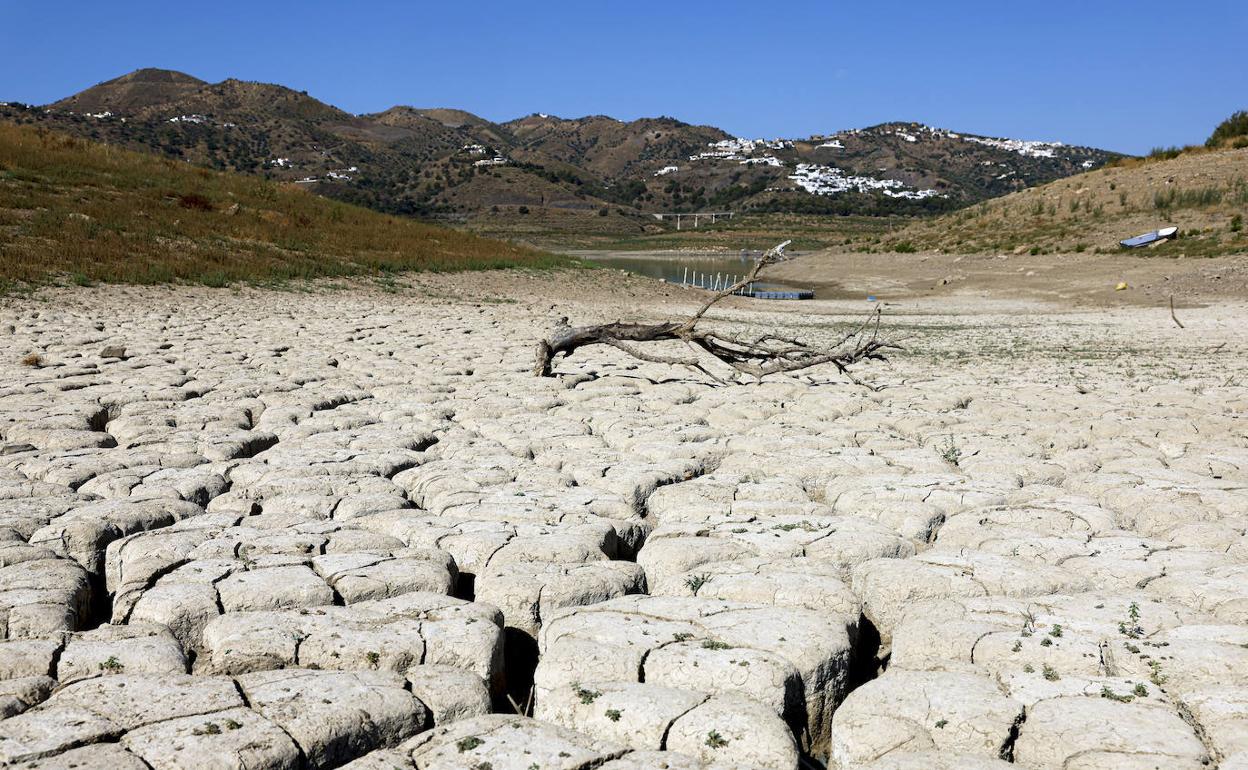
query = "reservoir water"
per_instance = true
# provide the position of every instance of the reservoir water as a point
(702, 269)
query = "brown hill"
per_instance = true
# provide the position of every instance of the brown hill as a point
(131, 92)
(609, 147)
(1204, 194)
(239, 100)
(76, 210)
(452, 118)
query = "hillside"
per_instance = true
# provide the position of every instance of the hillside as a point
(1204, 194)
(449, 163)
(129, 93)
(76, 210)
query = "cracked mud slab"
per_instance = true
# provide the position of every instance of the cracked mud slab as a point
(348, 528)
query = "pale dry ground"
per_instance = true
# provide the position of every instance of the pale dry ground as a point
(305, 529)
(1070, 280)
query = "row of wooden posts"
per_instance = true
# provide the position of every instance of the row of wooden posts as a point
(713, 282)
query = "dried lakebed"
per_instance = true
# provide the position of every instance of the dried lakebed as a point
(279, 530)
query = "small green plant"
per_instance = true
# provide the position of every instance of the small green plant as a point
(1018, 646)
(1140, 690)
(1237, 223)
(211, 728)
(683, 636)
(713, 644)
(230, 724)
(1029, 669)
(695, 582)
(468, 744)
(1155, 676)
(613, 715)
(950, 452)
(803, 525)
(1108, 693)
(715, 740)
(1131, 626)
(1046, 642)
(587, 696)
(1056, 630)
(940, 725)
(373, 657)
(1050, 673)
(112, 665)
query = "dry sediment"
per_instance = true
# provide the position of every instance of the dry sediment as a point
(279, 530)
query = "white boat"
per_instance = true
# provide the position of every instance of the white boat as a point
(1149, 238)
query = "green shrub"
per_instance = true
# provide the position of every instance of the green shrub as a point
(1231, 128)
(1164, 153)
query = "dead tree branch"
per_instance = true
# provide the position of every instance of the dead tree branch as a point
(754, 357)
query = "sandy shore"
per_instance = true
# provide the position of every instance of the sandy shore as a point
(301, 529)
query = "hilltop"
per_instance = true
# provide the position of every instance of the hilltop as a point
(78, 211)
(603, 172)
(131, 92)
(1204, 194)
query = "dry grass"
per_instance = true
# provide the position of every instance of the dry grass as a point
(1201, 192)
(77, 211)
(33, 360)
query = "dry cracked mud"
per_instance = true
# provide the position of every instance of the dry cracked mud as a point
(347, 528)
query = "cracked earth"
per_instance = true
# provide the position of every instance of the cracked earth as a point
(347, 528)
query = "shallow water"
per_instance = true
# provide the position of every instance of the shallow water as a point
(705, 270)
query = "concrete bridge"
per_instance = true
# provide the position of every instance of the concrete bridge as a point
(697, 217)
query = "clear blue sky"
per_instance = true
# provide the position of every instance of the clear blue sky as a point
(1119, 74)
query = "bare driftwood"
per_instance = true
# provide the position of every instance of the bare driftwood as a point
(756, 357)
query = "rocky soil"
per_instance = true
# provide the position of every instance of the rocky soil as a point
(348, 528)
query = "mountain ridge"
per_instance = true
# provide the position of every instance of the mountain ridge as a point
(444, 161)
